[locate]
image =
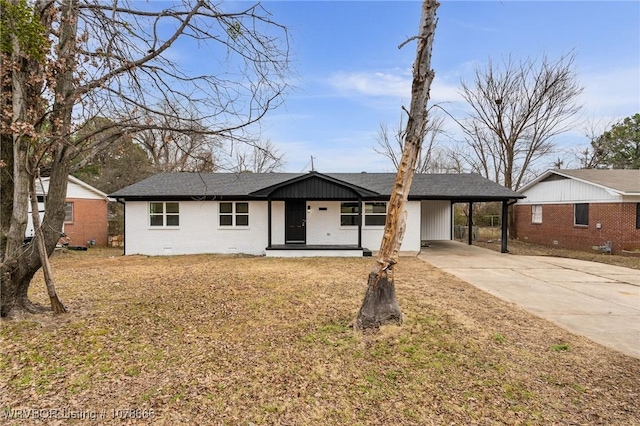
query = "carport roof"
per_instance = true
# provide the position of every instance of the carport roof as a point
(184, 186)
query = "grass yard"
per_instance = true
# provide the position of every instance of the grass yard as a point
(243, 340)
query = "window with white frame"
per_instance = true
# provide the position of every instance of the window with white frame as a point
(68, 213)
(234, 213)
(349, 213)
(536, 213)
(375, 213)
(164, 214)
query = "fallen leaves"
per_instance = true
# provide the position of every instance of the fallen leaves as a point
(238, 340)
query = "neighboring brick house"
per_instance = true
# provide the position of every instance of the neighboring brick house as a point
(582, 209)
(86, 220)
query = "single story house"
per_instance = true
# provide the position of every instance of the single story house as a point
(290, 214)
(582, 209)
(86, 218)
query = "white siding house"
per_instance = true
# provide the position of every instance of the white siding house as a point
(282, 214)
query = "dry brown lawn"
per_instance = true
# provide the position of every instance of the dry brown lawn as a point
(245, 340)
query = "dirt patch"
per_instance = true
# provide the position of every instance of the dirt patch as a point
(244, 340)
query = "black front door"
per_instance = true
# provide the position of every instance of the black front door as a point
(294, 221)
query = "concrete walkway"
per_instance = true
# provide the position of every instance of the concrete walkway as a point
(599, 301)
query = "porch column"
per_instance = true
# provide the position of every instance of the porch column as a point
(470, 222)
(505, 224)
(269, 222)
(360, 218)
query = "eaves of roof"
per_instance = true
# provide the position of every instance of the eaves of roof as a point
(582, 175)
(371, 186)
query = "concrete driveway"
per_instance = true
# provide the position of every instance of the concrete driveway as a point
(599, 301)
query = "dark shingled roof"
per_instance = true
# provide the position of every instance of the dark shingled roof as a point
(184, 185)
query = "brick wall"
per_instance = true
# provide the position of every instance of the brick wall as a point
(618, 225)
(89, 222)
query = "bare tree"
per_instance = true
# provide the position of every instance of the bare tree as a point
(65, 62)
(380, 305)
(259, 157)
(516, 110)
(429, 151)
(173, 146)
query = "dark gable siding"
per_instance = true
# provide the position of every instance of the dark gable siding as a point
(314, 189)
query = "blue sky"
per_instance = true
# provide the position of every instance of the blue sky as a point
(351, 76)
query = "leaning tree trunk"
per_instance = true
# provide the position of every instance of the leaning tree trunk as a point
(39, 239)
(380, 306)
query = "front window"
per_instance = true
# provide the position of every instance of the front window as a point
(638, 216)
(162, 214)
(375, 214)
(581, 214)
(349, 214)
(536, 213)
(68, 212)
(234, 214)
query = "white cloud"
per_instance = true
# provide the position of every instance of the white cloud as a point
(397, 84)
(613, 94)
(390, 84)
(444, 91)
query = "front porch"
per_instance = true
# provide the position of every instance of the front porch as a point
(304, 250)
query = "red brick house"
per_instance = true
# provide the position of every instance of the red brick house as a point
(86, 221)
(582, 209)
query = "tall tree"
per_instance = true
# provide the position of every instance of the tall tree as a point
(430, 157)
(65, 62)
(175, 148)
(516, 111)
(121, 164)
(380, 305)
(617, 148)
(260, 157)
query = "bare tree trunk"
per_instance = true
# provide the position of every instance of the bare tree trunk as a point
(56, 305)
(380, 306)
(17, 261)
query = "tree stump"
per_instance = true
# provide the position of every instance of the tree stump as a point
(379, 306)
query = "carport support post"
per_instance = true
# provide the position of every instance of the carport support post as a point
(470, 222)
(505, 223)
(360, 218)
(269, 222)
